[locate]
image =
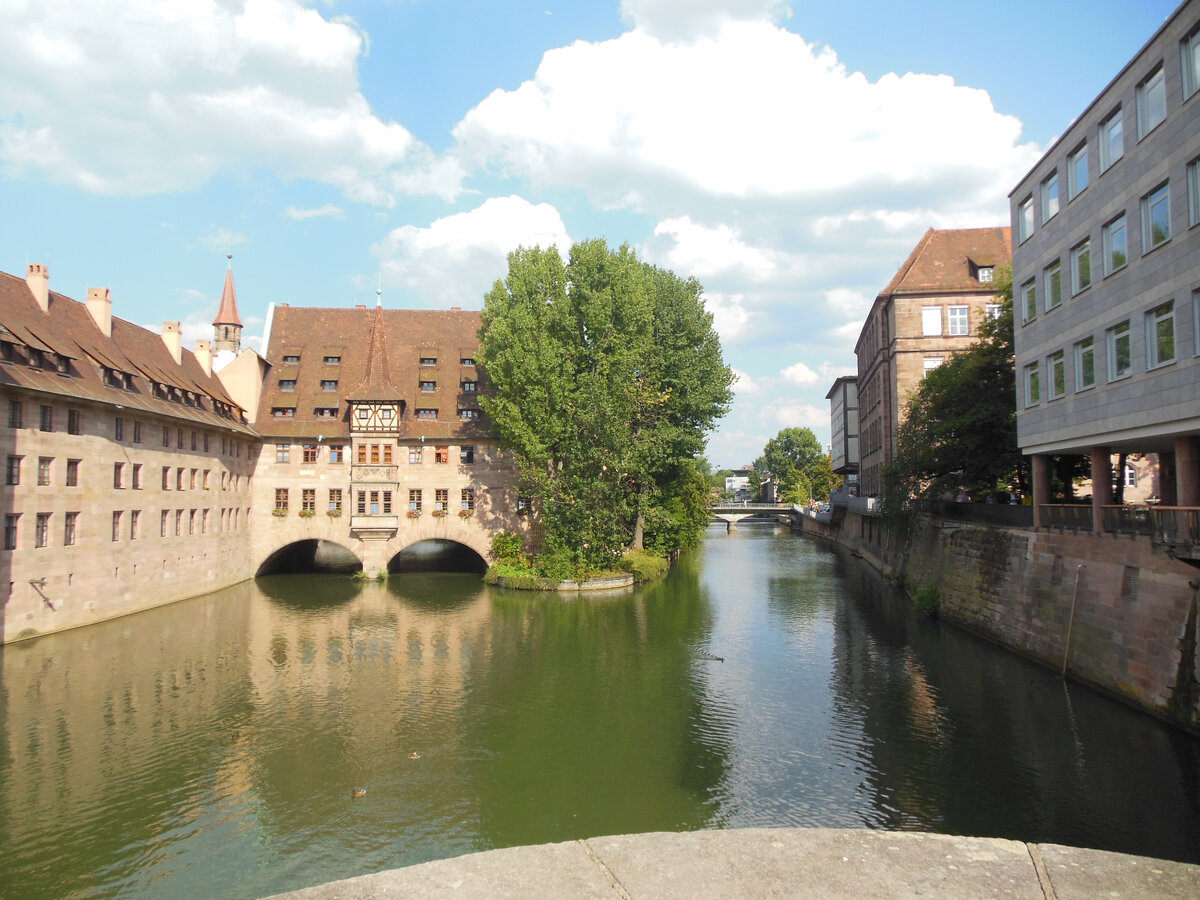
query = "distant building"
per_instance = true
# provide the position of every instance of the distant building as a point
(1106, 277)
(843, 428)
(932, 307)
(127, 463)
(738, 484)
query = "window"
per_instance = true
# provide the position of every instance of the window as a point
(426, 413)
(70, 521)
(387, 503)
(72, 421)
(281, 500)
(179, 438)
(44, 463)
(1053, 276)
(329, 384)
(1193, 189)
(46, 422)
(12, 472)
(1057, 371)
(524, 504)
(10, 531)
(1050, 197)
(441, 455)
(1029, 309)
(469, 386)
(428, 387)
(308, 500)
(429, 360)
(1160, 335)
(468, 499)
(1115, 245)
(134, 516)
(992, 310)
(414, 500)
(363, 414)
(984, 276)
(931, 320)
(1033, 386)
(387, 454)
(1085, 364)
(1112, 140)
(1077, 171)
(960, 318)
(1117, 344)
(179, 479)
(193, 440)
(468, 415)
(283, 453)
(1156, 218)
(291, 359)
(192, 480)
(310, 453)
(1189, 51)
(166, 478)
(414, 455)
(41, 530)
(931, 362)
(287, 385)
(283, 412)
(73, 473)
(466, 454)
(336, 453)
(386, 414)
(116, 526)
(137, 476)
(362, 503)
(332, 360)
(1081, 266)
(204, 521)
(441, 499)
(163, 518)
(325, 412)
(166, 436)
(1024, 220)
(467, 361)
(118, 429)
(373, 509)
(14, 412)
(118, 475)
(178, 522)
(362, 454)
(335, 500)
(1151, 102)
(191, 521)
(137, 433)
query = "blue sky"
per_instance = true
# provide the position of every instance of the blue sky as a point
(787, 155)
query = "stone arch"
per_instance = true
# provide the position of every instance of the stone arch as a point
(309, 554)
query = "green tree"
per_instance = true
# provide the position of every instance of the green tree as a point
(800, 466)
(607, 377)
(959, 428)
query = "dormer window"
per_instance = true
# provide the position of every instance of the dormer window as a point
(332, 360)
(428, 387)
(329, 385)
(291, 359)
(468, 387)
(287, 385)
(35, 358)
(426, 413)
(429, 360)
(283, 412)
(467, 361)
(985, 274)
(468, 415)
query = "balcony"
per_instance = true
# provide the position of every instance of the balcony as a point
(374, 528)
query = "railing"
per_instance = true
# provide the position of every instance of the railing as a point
(1176, 525)
(1064, 516)
(1132, 520)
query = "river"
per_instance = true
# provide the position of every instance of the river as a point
(212, 747)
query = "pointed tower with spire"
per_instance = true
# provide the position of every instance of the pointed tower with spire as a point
(227, 326)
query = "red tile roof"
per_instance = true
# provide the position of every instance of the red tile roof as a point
(228, 312)
(949, 261)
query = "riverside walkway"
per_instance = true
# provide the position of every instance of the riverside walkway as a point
(780, 862)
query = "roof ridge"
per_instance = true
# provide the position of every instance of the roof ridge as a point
(377, 385)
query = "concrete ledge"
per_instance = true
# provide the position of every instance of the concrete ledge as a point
(773, 862)
(609, 583)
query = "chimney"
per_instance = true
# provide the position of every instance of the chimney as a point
(99, 304)
(38, 279)
(204, 356)
(173, 339)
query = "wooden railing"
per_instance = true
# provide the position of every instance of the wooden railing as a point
(1169, 525)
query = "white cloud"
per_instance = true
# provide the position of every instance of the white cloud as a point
(671, 20)
(743, 384)
(703, 251)
(122, 98)
(222, 239)
(455, 260)
(785, 414)
(729, 313)
(800, 374)
(300, 215)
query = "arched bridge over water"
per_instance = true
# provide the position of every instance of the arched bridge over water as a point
(732, 513)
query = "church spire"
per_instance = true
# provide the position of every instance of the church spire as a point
(227, 326)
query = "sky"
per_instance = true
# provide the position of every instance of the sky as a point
(787, 155)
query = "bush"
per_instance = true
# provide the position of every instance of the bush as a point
(508, 548)
(927, 601)
(644, 566)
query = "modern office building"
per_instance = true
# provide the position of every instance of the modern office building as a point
(843, 429)
(1106, 277)
(932, 307)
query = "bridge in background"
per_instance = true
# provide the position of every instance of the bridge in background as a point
(732, 513)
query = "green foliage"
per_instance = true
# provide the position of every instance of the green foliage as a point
(927, 601)
(607, 377)
(508, 549)
(644, 566)
(801, 468)
(959, 428)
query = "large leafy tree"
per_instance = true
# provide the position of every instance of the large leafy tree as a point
(959, 428)
(607, 377)
(800, 466)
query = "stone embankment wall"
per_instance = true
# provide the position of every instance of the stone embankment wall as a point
(1134, 631)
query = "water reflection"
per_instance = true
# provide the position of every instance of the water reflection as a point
(211, 747)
